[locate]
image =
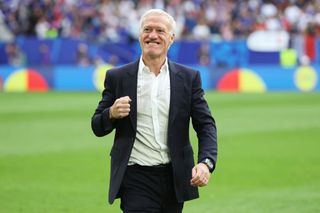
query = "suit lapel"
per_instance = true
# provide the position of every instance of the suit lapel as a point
(177, 90)
(130, 89)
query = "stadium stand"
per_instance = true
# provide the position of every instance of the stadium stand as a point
(38, 29)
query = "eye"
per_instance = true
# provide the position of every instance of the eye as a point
(147, 30)
(161, 31)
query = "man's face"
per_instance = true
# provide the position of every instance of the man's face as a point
(155, 36)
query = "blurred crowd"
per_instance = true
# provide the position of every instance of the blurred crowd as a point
(118, 20)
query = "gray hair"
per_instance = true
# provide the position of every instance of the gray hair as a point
(171, 20)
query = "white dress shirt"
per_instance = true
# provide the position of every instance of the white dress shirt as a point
(153, 99)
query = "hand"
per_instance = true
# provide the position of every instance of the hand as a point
(120, 108)
(200, 175)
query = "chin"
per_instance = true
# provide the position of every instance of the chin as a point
(152, 54)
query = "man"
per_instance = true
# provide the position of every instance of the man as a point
(150, 102)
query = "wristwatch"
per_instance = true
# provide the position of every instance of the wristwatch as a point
(209, 163)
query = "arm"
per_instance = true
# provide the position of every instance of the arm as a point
(109, 109)
(101, 122)
(205, 127)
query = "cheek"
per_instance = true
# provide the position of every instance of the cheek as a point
(168, 43)
(141, 39)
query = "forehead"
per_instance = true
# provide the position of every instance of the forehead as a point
(156, 20)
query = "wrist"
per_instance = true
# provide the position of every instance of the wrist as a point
(208, 163)
(110, 113)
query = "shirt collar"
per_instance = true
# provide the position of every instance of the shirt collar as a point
(143, 67)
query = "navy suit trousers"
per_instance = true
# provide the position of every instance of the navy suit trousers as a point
(149, 189)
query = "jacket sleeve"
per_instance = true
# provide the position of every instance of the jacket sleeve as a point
(203, 123)
(101, 124)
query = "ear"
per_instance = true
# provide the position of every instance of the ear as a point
(172, 37)
(171, 40)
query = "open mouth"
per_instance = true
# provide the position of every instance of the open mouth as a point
(152, 42)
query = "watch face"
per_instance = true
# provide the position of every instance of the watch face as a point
(209, 163)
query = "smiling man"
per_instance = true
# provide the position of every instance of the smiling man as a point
(149, 103)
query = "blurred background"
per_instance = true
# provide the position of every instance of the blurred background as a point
(259, 62)
(250, 45)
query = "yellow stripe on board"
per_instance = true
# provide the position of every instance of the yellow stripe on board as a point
(250, 82)
(16, 82)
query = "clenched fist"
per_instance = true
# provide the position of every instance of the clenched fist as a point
(200, 175)
(120, 108)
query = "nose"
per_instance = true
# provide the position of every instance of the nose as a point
(153, 34)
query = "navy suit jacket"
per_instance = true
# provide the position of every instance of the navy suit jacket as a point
(186, 101)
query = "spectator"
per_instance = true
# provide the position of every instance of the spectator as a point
(110, 20)
(83, 58)
(201, 30)
(204, 54)
(42, 27)
(44, 54)
(14, 54)
(5, 34)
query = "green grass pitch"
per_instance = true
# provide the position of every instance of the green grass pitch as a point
(269, 154)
